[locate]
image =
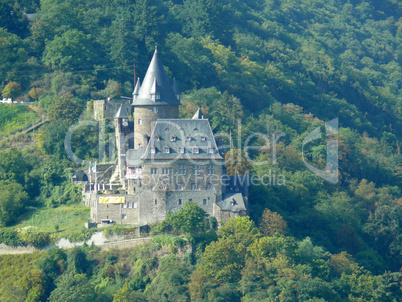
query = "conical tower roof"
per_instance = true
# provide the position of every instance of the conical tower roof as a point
(121, 113)
(156, 75)
(198, 115)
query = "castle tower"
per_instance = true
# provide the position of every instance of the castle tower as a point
(155, 99)
(121, 130)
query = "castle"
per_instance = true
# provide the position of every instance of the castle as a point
(162, 161)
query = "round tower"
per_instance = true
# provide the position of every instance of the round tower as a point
(154, 99)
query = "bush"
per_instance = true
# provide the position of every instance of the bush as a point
(32, 235)
(10, 237)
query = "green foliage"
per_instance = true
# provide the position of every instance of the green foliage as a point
(14, 117)
(10, 237)
(12, 203)
(33, 236)
(73, 287)
(12, 90)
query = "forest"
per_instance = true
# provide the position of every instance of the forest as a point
(280, 66)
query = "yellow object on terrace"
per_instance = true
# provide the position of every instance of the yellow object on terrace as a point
(112, 199)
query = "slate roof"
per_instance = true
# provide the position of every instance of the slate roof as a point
(121, 112)
(180, 133)
(232, 202)
(133, 157)
(155, 80)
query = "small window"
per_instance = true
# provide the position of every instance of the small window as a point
(196, 150)
(211, 150)
(124, 216)
(204, 202)
(165, 171)
(166, 150)
(155, 109)
(181, 150)
(236, 214)
(237, 189)
(154, 171)
(139, 121)
(180, 202)
(190, 200)
(135, 205)
(130, 205)
(156, 201)
(195, 187)
(153, 150)
(173, 138)
(197, 170)
(210, 187)
(157, 96)
(182, 170)
(179, 187)
(188, 138)
(124, 205)
(163, 187)
(152, 188)
(210, 169)
(158, 138)
(203, 138)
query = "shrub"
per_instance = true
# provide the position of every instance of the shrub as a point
(10, 237)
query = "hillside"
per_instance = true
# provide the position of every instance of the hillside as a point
(283, 68)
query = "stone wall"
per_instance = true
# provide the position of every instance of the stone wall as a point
(107, 109)
(144, 117)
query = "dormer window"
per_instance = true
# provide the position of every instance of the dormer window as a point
(196, 150)
(153, 150)
(211, 150)
(158, 138)
(188, 138)
(181, 150)
(155, 109)
(203, 138)
(173, 138)
(157, 96)
(166, 150)
(178, 97)
(233, 202)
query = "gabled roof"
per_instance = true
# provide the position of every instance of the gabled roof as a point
(156, 80)
(121, 113)
(232, 202)
(198, 115)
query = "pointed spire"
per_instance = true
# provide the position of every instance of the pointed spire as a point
(136, 89)
(156, 73)
(121, 113)
(198, 115)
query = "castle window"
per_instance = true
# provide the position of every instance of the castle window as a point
(181, 150)
(157, 96)
(180, 202)
(153, 150)
(204, 202)
(139, 121)
(197, 170)
(130, 205)
(155, 109)
(203, 138)
(210, 187)
(158, 138)
(156, 201)
(195, 187)
(179, 187)
(190, 200)
(163, 187)
(196, 150)
(165, 171)
(152, 188)
(166, 150)
(154, 171)
(135, 205)
(124, 216)
(211, 150)
(210, 169)
(124, 205)
(173, 138)
(188, 138)
(182, 170)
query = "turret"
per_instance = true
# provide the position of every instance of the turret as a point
(156, 98)
(121, 131)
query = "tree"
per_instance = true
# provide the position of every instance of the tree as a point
(73, 287)
(12, 90)
(13, 200)
(65, 109)
(272, 222)
(70, 51)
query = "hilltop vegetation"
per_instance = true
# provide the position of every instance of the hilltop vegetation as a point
(281, 66)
